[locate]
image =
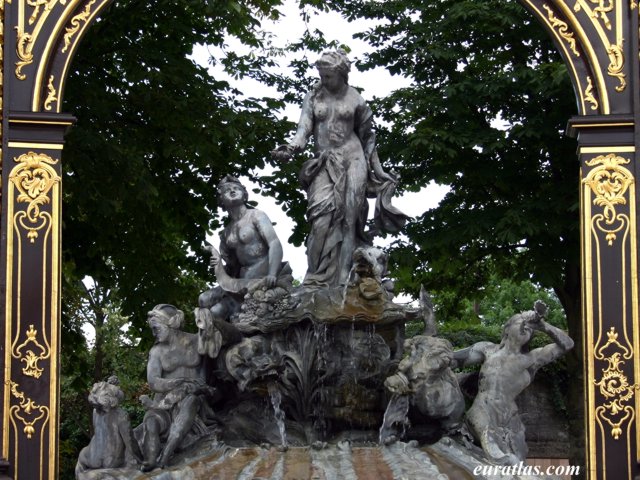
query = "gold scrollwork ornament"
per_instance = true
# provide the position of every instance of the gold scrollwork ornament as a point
(34, 178)
(614, 387)
(24, 50)
(563, 29)
(27, 408)
(601, 10)
(30, 358)
(588, 94)
(75, 25)
(609, 181)
(616, 64)
(52, 94)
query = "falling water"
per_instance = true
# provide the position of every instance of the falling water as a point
(278, 413)
(322, 340)
(396, 413)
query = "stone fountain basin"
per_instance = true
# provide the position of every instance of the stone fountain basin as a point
(211, 460)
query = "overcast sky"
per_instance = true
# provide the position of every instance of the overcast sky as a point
(375, 83)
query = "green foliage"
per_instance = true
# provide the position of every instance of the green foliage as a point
(155, 134)
(485, 114)
(112, 351)
(465, 321)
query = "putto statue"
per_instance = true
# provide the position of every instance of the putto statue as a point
(112, 444)
(507, 369)
(344, 171)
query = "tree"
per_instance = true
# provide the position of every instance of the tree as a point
(155, 133)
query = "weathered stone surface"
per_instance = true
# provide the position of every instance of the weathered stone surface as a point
(546, 428)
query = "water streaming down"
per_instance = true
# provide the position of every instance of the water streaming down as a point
(278, 413)
(321, 334)
(396, 414)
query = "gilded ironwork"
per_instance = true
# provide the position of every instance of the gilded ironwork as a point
(30, 358)
(1, 88)
(75, 25)
(52, 94)
(609, 181)
(28, 30)
(601, 10)
(614, 386)
(616, 58)
(27, 408)
(24, 50)
(588, 94)
(563, 29)
(34, 177)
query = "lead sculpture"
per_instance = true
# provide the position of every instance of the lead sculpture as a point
(322, 362)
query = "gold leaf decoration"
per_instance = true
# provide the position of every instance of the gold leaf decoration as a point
(52, 95)
(34, 178)
(26, 410)
(614, 387)
(616, 64)
(601, 10)
(588, 95)
(75, 25)
(24, 49)
(609, 181)
(563, 29)
(30, 358)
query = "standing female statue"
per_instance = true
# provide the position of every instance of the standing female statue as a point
(344, 171)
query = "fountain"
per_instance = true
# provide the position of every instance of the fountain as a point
(319, 381)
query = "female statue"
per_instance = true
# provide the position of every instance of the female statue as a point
(344, 171)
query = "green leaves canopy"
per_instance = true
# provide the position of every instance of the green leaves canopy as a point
(485, 114)
(155, 133)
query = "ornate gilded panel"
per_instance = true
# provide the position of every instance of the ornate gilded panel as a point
(47, 33)
(610, 310)
(32, 335)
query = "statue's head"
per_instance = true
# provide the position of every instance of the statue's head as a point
(165, 315)
(425, 355)
(517, 330)
(105, 396)
(334, 61)
(230, 182)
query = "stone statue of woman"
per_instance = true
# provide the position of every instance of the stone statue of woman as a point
(344, 171)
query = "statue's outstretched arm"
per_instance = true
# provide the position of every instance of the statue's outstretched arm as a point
(472, 355)
(303, 132)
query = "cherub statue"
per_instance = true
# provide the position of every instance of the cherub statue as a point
(112, 444)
